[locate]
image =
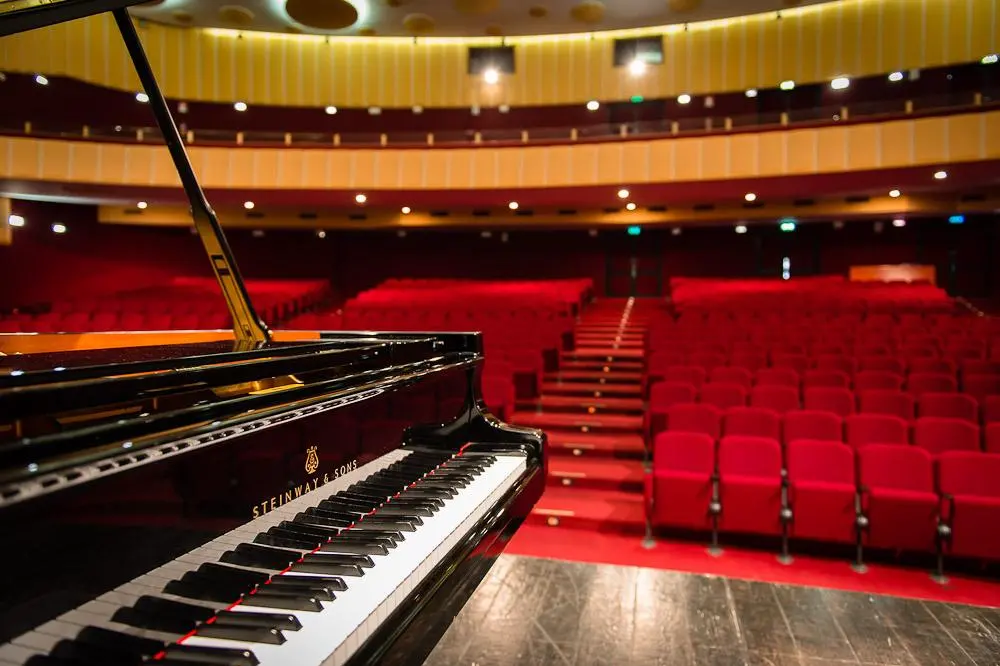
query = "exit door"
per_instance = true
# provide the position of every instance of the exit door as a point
(634, 276)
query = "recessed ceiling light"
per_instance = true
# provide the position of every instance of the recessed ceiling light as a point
(374, 111)
(741, 228)
(684, 99)
(41, 80)
(142, 205)
(513, 205)
(940, 175)
(418, 110)
(321, 234)
(15, 220)
(990, 59)
(248, 205)
(899, 222)
(240, 106)
(787, 85)
(676, 231)
(840, 83)
(750, 197)
(623, 193)
(895, 194)
(751, 93)
(330, 110)
(630, 206)
(896, 77)
(491, 76)
(637, 67)
(141, 97)
(593, 105)
(58, 228)
(361, 198)
(838, 224)
(405, 210)
(503, 108)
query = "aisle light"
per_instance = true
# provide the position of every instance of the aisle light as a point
(142, 205)
(593, 105)
(899, 223)
(840, 83)
(240, 106)
(491, 76)
(630, 206)
(58, 228)
(895, 194)
(896, 77)
(940, 175)
(741, 228)
(684, 99)
(41, 80)
(405, 210)
(512, 205)
(751, 93)
(956, 219)
(623, 193)
(786, 268)
(990, 59)
(141, 97)
(15, 220)
(330, 110)
(787, 85)
(750, 197)
(637, 67)
(634, 230)
(360, 198)
(248, 205)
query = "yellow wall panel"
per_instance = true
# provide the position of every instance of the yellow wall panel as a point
(983, 38)
(896, 144)
(870, 40)
(509, 167)
(635, 162)
(893, 21)
(957, 30)
(560, 167)
(930, 140)
(831, 150)
(936, 18)
(743, 155)
(990, 141)
(687, 160)
(864, 146)
(964, 138)
(609, 164)
(771, 157)
(800, 149)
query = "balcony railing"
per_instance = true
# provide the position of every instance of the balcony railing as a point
(666, 127)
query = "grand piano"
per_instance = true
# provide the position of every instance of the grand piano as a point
(243, 498)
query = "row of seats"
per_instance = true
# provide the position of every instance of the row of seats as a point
(882, 496)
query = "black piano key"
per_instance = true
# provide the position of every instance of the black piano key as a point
(407, 496)
(309, 530)
(240, 633)
(387, 486)
(262, 557)
(445, 488)
(398, 523)
(403, 509)
(46, 660)
(375, 528)
(342, 507)
(283, 621)
(119, 642)
(327, 583)
(328, 568)
(210, 655)
(368, 499)
(202, 592)
(222, 572)
(162, 615)
(362, 506)
(316, 590)
(366, 538)
(357, 547)
(343, 518)
(298, 535)
(313, 519)
(429, 493)
(341, 558)
(283, 601)
(283, 541)
(85, 653)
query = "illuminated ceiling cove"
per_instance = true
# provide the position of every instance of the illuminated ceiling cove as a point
(448, 18)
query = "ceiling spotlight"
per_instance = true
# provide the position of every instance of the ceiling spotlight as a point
(374, 111)
(142, 205)
(15, 220)
(838, 224)
(248, 205)
(41, 80)
(940, 175)
(240, 106)
(990, 59)
(787, 85)
(593, 105)
(840, 83)
(684, 99)
(741, 228)
(894, 194)
(418, 110)
(512, 205)
(321, 234)
(623, 193)
(503, 108)
(331, 110)
(360, 198)
(491, 76)
(676, 231)
(751, 93)
(899, 222)
(141, 97)
(405, 210)
(630, 206)
(58, 228)
(637, 67)
(750, 197)
(896, 77)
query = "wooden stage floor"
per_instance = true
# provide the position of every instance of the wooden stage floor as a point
(531, 611)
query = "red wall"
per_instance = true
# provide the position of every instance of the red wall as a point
(94, 258)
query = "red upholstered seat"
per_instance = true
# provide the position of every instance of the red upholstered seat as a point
(731, 375)
(826, 378)
(723, 396)
(885, 401)
(938, 435)
(990, 407)
(806, 424)
(973, 508)
(498, 392)
(777, 377)
(874, 379)
(662, 396)
(797, 362)
(837, 362)
(981, 386)
(822, 491)
(696, 417)
(752, 421)
(750, 484)
(867, 429)
(948, 405)
(679, 487)
(898, 497)
(992, 437)
(888, 364)
(839, 401)
(930, 382)
(689, 374)
(940, 366)
(778, 398)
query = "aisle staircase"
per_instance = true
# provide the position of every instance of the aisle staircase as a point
(592, 411)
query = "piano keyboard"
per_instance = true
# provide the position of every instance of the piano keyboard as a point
(305, 584)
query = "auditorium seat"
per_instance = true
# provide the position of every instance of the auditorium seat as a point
(938, 435)
(822, 491)
(797, 362)
(499, 394)
(813, 425)
(750, 484)
(940, 366)
(825, 379)
(752, 361)
(839, 401)
(689, 374)
(662, 396)
(930, 382)
(888, 364)
(862, 430)
(949, 405)
(695, 417)
(981, 386)
(868, 380)
(894, 403)
(777, 377)
(838, 363)
(991, 409)
(752, 421)
(980, 367)
(732, 375)
(778, 398)
(723, 396)
(679, 488)
(898, 497)
(968, 482)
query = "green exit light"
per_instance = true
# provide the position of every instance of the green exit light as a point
(637, 99)
(787, 224)
(634, 230)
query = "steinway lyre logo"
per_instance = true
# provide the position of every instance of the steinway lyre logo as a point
(312, 460)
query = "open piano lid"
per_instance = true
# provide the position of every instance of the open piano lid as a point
(22, 15)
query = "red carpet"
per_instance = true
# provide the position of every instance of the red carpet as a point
(624, 550)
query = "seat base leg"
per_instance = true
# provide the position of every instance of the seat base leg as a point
(648, 542)
(859, 567)
(940, 578)
(785, 558)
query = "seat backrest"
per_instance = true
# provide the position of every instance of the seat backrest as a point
(981, 386)
(990, 408)
(724, 396)
(836, 362)
(889, 364)
(969, 473)
(826, 378)
(933, 365)
(777, 377)
(992, 437)
(948, 405)
(807, 424)
(867, 429)
(731, 375)
(690, 374)
(877, 379)
(694, 417)
(684, 452)
(752, 421)
(749, 360)
(811, 460)
(930, 382)
(779, 398)
(938, 434)
(839, 401)
(899, 467)
(884, 401)
(664, 394)
(743, 455)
